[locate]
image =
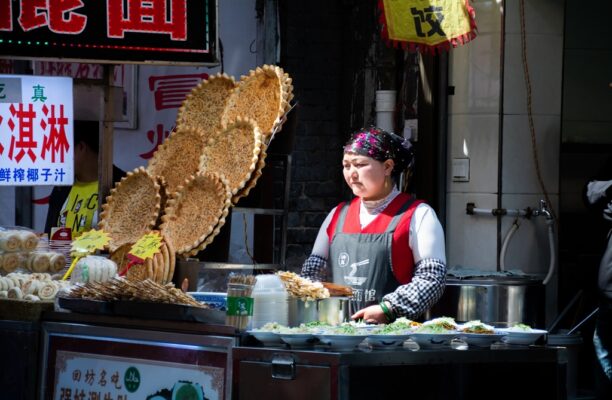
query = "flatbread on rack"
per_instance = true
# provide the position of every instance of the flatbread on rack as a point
(250, 184)
(264, 95)
(119, 256)
(204, 106)
(196, 213)
(234, 152)
(131, 209)
(178, 157)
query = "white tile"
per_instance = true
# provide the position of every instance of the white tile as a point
(528, 248)
(488, 15)
(544, 61)
(471, 240)
(541, 16)
(478, 136)
(475, 74)
(518, 167)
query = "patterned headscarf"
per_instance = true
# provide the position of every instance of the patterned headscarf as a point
(381, 146)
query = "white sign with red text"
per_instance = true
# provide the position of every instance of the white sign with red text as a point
(36, 141)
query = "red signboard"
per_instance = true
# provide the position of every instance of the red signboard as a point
(159, 31)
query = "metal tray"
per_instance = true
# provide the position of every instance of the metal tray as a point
(165, 311)
(146, 310)
(85, 306)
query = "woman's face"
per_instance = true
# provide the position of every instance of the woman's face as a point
(366, 176)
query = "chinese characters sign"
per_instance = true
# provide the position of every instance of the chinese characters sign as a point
(427, 25)
(36, 141)
(101, 377)
(164, 31)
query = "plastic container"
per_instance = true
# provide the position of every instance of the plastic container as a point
(385, 109)
(270, 301)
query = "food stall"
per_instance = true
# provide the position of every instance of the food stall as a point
(124, 329)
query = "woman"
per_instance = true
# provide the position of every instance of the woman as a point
(386, 245)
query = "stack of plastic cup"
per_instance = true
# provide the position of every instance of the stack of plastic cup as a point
(270, 301)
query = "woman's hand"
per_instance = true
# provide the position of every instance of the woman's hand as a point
(371, 315)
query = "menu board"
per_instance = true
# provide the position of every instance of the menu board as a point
(118, 364)
(140, 31)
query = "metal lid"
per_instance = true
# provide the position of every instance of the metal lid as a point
(494, 280)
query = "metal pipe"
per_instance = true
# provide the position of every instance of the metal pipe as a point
(502, 255)
(551, 244)
(472, 210)
(526, 213)
(582, 322)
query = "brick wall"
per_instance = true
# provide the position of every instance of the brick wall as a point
(326, 48)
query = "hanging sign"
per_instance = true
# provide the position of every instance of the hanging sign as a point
(140, 31)
(36, 141)
(427, 25)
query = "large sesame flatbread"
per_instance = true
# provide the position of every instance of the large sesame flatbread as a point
(196, 213)
(204, 106)
(234, 152)
(250, 184)
(264, 96)
(131, 209)
(119, 256)
(178, 157)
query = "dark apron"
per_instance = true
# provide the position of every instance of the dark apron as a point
(363, 261)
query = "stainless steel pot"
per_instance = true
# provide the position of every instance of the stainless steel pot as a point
(496, 300)
(334, 310)
(301, 312)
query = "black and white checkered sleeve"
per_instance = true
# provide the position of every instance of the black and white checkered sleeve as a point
(422, 292)
(314, 268)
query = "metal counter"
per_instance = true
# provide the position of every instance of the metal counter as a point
(505, 372)
(227, 365)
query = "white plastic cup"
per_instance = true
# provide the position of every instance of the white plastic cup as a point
(269, 301)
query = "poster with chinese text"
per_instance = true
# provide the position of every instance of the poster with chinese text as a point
(36, 140)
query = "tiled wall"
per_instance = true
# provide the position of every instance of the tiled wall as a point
(474, 119)
(474, 125)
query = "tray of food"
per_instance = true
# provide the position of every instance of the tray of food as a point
(85, 306)
(167, 311)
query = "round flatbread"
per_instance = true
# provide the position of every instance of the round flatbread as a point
(204, 106)
(237, 147)
(264, 96)
(119, 256)
(193, 214)
(137, 272)
(159, 265)
(172, 255)
(250, 184)
(166, 262)
(131, 209)
(178, 157)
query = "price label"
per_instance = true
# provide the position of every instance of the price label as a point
(89, 242)
(146, 246)
(85, 244)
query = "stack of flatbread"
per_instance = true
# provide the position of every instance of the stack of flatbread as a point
(212, 159)
(132, 208)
